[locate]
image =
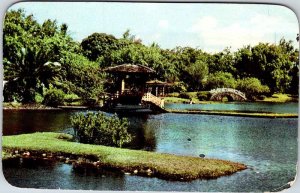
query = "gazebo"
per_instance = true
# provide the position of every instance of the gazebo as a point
(129, 82)
(157, 88)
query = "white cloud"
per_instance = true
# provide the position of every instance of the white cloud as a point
(204, 23)
(163, 24)
(259, 28)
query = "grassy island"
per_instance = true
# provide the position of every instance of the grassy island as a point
(136, 162)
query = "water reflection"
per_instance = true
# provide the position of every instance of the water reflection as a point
(143, 136)
(29, 121)
(291, 107)
(268, 146)
(39, 173)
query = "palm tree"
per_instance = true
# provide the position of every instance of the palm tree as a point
(29, 72)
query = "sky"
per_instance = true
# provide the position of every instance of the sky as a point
(210, 27)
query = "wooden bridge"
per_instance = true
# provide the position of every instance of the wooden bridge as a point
(155, 103)
(148, 102)
(231, 94)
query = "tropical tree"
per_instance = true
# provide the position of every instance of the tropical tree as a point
(196, 75)
(81, 77)
(252, 87)
(222, 61)
(220, 80)
(32, 54)
(98, 47)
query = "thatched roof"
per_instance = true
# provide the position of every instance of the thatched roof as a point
(129, 68)
(157, 82)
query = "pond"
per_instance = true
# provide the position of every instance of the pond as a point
(291, 107)
(267, 146)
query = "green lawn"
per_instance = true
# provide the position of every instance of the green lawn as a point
(280, 98)
(162, 165)
(275, 98)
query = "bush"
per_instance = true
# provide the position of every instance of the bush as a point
(173, 94)
(71, 97)
(97, 128)
(261, 97)
(184, 95)
(54, 97)
(203, 95)
(220, 80)
(178, 87)
(38, 98)
(252, 87)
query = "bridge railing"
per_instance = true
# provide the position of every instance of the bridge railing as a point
(221, 90)
(154, 99)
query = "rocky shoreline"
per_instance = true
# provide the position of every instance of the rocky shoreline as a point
(58, 147)
(11, 106)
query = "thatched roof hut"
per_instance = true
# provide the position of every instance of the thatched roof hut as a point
(130, 68)
(157, 87)
(158, 83)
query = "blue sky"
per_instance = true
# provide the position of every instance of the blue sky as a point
(211, 27)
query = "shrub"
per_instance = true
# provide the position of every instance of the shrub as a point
(178, 87)
(54, 97)
(261, 97)
(38, 98)
(70, 98)
(97, 128)
(173, 94)
(252, 87)
(220, 80)
(203, 95)
(184, 95)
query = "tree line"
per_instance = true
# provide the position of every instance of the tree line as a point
(42, 61)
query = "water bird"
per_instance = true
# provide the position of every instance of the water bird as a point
(189, 139)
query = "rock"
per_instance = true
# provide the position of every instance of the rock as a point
(44, 155)
(27, 153)
(127, 173)
(135, 171)
(202, 155)
(67, 160)
(189, 139)
(61, 158)
(149, 171)
(16, 152)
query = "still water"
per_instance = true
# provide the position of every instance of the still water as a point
(267, 146)
(291, 107)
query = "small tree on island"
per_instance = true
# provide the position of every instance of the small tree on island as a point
(99, 129)
(252, 88)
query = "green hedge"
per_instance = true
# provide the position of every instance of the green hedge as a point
(100, 129)
(54, 97)
(203, 95)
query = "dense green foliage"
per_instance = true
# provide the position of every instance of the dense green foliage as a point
(203, 95)
(252, 87)
(97, 128)
(37, 55)
(221, 80)
(54, 97)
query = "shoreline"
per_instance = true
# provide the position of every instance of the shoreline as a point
(133, 162)
(234, 113)
(39, 107)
